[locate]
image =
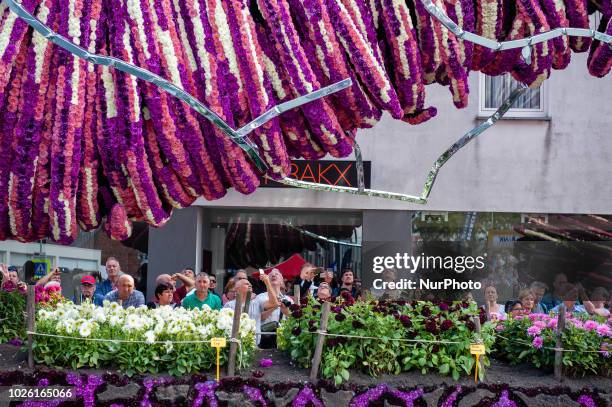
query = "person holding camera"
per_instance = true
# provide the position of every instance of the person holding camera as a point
(306, 280)
(10, 279)
(272, 314)
(55, 276)
(257, 305)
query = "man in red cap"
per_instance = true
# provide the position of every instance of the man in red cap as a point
(88, 288)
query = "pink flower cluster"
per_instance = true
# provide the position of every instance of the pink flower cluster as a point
(81, 143)
(544, 321)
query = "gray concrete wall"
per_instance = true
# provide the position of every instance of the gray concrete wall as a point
(176, 245)
(387, 226)
(556, 165)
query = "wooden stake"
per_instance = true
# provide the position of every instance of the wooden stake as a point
(559, 344)
(478, 366)
(247, 302)
(296, 294)
(477, 324)
(231, 367)
(316, 360)
(30, 315)
(77, 295)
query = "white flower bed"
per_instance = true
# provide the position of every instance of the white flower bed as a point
(156, 335)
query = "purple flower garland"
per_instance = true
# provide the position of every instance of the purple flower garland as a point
(376, 393)
(306, 397)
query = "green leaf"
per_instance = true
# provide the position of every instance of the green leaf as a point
(444, 369)
(337, 380)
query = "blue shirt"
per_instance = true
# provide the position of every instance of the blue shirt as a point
(103, 288)
(540, 308)
(136, 299)
(550, 301)
(576, 309)
(97, 299)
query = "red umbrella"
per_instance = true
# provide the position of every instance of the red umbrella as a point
(290, 268)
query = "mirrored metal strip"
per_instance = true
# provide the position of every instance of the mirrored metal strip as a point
(441, 16)
(238, 136)
(319, 237)
(433, 172)
(350, 190)
(359, 166)
(292, 104)
(469, 136)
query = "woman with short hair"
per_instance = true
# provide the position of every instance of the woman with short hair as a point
(229, 292)
(164, 292)
(527, 299)
(514, 308)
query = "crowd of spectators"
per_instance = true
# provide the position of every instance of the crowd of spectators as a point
(538, 299)
(271, 296)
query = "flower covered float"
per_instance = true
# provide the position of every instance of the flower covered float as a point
(83, 142)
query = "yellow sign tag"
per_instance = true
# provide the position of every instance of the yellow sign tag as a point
(218, 342)
(477, 349)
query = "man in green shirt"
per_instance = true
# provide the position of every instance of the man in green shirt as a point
(201, 295)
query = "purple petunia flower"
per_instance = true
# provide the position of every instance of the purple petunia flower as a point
(537, 342)
(533, 330)
(446, 325)
(266, 363)
(603, 330)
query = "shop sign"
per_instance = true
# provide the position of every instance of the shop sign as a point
(336, 173)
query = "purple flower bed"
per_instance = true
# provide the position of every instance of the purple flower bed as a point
(205, 392)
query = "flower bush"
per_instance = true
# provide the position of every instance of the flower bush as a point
(152, 330)
(533, 339)
(12, 320)
(13, 307)
(387, 326)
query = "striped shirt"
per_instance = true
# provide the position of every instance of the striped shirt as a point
(136, 299)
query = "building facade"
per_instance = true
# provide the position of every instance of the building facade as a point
(551, 155)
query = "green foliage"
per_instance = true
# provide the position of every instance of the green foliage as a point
(517, 343)
(12, 317)
(387, 326)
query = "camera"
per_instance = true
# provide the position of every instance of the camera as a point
(286, 302)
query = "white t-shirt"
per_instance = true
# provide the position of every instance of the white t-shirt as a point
(260, 301)
(500, 314)
(274, 316)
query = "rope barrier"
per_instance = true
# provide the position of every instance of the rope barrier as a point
(117, 340)
(235, 340)
(317, 332)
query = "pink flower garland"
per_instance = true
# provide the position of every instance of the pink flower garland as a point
(82, 143)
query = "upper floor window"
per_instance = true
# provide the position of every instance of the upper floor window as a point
(495, 89)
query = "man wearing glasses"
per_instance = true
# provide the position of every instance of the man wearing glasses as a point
(213, 286)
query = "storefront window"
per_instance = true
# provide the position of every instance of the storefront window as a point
(262, 239)
(521, 249)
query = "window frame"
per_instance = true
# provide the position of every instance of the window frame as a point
(513, 113)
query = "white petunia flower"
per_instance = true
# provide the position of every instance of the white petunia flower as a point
(149, 336)
(99, 315)
(85, 329)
